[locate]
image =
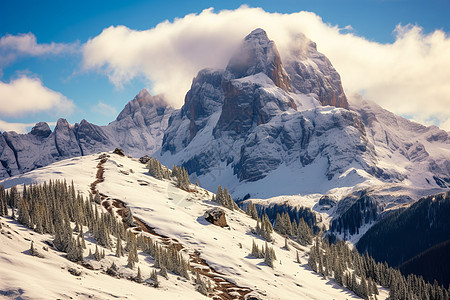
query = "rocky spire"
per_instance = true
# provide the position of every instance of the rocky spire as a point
(312, 72)
(143, 99)
(258, 54)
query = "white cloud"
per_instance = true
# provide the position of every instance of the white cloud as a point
(13, 46)
(410, 76)
(28, 95)
(445, 125)
(104, 109)
(19, 127)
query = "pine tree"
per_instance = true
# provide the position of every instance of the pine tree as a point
(255, 250)
(3, 206)
(97, 255)
(286, 245)
(138, 278)
(81, 238)
(353, 284)
(131, 260)
(154, 278)
(363, 289)
(33, 251)
(119, 248)
(163, 272)
(251, 210)
(74, 251)
(202, 286)
(269, 256)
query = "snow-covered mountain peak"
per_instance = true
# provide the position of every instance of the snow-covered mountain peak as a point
(312, 72)
(258, 54)
(143, 101)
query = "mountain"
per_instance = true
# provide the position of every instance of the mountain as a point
(169, 216)
(266, 127)
(277, 131)
(138, 129)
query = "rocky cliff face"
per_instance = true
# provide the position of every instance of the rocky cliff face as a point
(265, 113)
(258, 54)
(138, 130)
(311, 72)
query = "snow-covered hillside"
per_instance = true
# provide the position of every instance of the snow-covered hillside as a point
(172, 215)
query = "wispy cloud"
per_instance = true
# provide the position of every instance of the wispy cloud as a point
(26, 95)
(104, 109)
(409, 76)
(19, 127)
(15, 46)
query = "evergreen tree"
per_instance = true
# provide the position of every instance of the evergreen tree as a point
(269, 256)
(363, 290)
(131, 260)
(139, 276)
(3, 205)
(33, 251)
(97, 254)
(154, 278)
(163, 272)
(252, 211)
(202, 286)
(286, 245)
(119, 248)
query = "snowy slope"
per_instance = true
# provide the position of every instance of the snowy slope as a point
(28, 277)
(173, 213)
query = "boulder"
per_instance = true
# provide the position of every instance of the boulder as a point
(119, 151)
(144, 159)
(216, 216)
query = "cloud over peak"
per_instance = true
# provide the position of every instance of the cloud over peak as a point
(409, 76)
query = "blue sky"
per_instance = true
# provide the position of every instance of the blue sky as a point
(89, 92)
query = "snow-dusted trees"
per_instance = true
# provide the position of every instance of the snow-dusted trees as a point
(265, 252)
(283, 224)
(361, 274)
(256, 252)
(301, 232)
(3, 205)
(75, 250)
(157, 170)
(204, 286)
(131, 247)
(154, 278)
(119, 247)
(182, 177)
(252, 211)
(224, 199)
(264, 228)
(165, 256)
(269, 256)
(304, 233)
